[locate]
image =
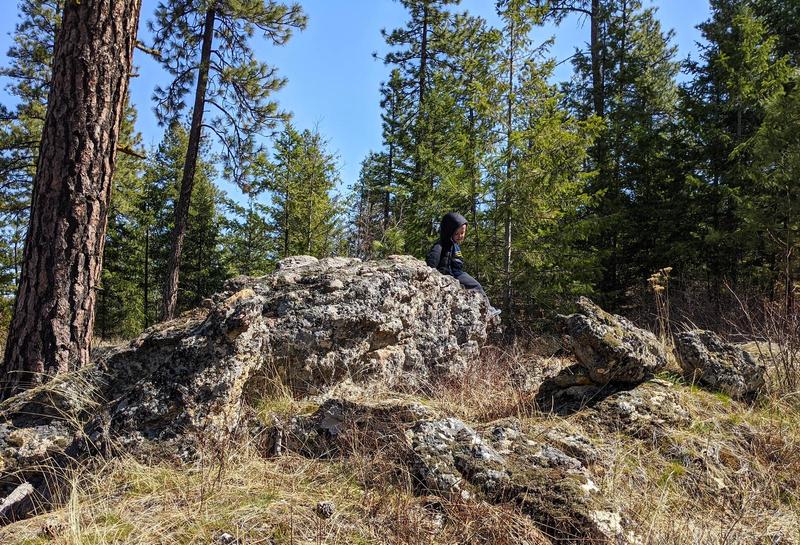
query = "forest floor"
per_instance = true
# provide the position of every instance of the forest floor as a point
(669, 493)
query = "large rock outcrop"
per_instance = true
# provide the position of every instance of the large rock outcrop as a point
(313, 323)
(397, 321)
(707, 359)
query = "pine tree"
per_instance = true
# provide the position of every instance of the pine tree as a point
(120, 310)
(782, 20)
(371, 198)
(639, 96)
(29, 73)
(300, 178)
(52, 327)
(723, 107)
(550, 199)
(596, 11)
(771, 211)
(248, 243)
(397, 118)
(470, 78)
(204, 271)
(156, 214)
(418, 53)
(208, 41)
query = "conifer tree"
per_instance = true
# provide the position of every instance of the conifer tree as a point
(370, 217)
(209, 42)
(300, 178)
(771, 210)
(470, 78)
(120, 310)
(396, 120)
(640, 97)
(738, 70)
(418, 52)
(518, 19)
(248, 243)
(782, 19)
(51, 331)
(595, 11)
(204, 264)
(156, 214)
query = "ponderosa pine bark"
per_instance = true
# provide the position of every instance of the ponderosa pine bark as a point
(51, 331)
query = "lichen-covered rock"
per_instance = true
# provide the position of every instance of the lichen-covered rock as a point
(315, 323)
(339, 426)
(498, 463)
(651, 409)
(712, 362)
(610, 348)
(396, 321)
(451, 459)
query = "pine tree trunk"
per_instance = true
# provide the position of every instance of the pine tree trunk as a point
(189, 167)
(51, 331)
(507, 188)
(146, 287)
(597, 74)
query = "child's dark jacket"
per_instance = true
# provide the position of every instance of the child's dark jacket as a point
(445, 255)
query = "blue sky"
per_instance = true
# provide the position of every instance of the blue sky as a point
(333, 79)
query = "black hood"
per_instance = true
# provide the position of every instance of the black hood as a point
(450, 223)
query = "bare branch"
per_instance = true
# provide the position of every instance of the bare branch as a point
(149, 50)
(127, 150)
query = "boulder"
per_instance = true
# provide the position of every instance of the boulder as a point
(395, 321)
(313, 323)
(612, 354)
(651, 410)
(708, 360)
(610, 348)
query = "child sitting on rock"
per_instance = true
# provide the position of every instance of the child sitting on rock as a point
(445, 255)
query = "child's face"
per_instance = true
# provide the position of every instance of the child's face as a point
(460, 233)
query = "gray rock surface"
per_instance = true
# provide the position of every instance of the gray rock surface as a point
(707, 359)
(16, 502)
(313, 323)
(612, 353)
(652, 409)
(396, 321)
(498, 463)
(610, 348)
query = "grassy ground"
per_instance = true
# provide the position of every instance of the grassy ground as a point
(731, 477)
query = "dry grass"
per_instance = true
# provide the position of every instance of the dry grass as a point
(730, 478)
(261, 501)
(501, 384)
